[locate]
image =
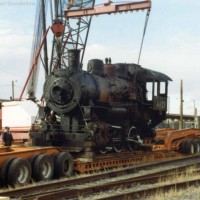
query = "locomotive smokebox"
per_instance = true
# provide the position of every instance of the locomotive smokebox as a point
(74, 59)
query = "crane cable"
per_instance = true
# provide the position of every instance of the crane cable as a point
(145, 27)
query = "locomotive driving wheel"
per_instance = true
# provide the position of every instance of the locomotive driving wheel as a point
(133, 139)
(117, 141)
(102, 150)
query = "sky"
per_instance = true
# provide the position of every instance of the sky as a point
(171, 45)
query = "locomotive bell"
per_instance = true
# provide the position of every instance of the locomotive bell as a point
(74, 59)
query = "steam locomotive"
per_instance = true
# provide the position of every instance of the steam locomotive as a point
(113, 105)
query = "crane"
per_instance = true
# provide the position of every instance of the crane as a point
(73, 19)
(74, 36)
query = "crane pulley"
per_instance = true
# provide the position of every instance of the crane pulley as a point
(58, 28)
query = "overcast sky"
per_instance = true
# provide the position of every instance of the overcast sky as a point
(171, 44)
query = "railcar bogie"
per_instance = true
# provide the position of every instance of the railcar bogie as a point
(20, 165)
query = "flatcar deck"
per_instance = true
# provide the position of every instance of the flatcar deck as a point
(123, 159)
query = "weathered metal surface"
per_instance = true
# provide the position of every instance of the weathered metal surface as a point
(108, 95)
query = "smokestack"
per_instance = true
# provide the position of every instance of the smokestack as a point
(74, 59)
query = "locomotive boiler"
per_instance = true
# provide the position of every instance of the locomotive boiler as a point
(113, 105)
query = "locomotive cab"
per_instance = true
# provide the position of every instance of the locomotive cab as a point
(157, 95)
(155, 84)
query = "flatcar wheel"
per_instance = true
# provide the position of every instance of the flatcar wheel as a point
(196, 144)
(19, 172)
(54, 156)
(43, 168)
(189, 147)
(182, 147)
(117, 142)
(198, 141)
(4, 171)
(64, 165)
(32, 159)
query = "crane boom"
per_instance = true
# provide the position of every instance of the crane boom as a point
(108, 9)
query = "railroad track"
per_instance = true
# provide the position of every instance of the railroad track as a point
(96, 190)
(89, 184)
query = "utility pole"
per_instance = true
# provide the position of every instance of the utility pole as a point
(195, 113)
(181, 105)
(13, 89)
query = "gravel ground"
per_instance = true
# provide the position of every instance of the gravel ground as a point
(190, 193)
(187, 194)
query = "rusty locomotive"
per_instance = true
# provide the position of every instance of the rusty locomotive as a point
(113, 105)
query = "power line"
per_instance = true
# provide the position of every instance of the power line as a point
(16, 75)
(5, 85)
(6, 72)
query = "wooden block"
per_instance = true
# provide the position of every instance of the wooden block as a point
(86, 157)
